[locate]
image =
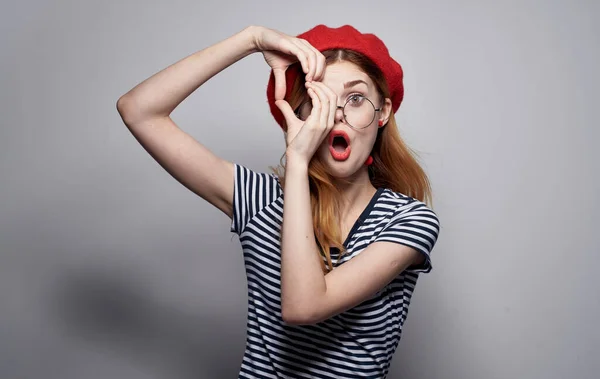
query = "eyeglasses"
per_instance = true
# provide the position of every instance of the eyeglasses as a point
(359, 112)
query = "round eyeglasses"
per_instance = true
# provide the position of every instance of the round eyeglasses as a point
(359, 112)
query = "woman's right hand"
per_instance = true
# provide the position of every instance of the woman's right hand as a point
(281, 50)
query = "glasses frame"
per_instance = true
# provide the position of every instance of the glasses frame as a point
(297, 112)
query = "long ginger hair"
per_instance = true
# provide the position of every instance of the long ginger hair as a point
(394, 164)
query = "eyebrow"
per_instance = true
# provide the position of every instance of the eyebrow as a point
(353, 83)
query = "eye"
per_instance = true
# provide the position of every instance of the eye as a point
(356, 99)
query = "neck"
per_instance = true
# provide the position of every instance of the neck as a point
(356, 191)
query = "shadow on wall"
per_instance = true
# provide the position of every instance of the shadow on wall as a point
(114, 311)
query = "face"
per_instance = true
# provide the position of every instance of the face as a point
(346, 149)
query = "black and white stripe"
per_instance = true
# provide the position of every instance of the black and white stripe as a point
(358, 343)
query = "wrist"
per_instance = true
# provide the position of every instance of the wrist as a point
(250, 34)
(295, 163)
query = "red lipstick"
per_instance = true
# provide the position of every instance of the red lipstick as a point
(339, 145)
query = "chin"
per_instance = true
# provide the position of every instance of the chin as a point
(341, 169)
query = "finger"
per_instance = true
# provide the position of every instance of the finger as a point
(315, 113)
(279, 84)
(333, 100)
(320, 60)
(329, 100)
(291, 48)
(287, 111)
(312, 57)
(324, 99)
(321, 64)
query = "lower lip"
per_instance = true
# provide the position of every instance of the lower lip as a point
(339, 155)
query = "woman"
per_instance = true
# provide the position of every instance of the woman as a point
(332, 268)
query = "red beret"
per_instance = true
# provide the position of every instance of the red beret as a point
(345, 37)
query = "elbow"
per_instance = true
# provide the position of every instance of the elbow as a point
(121, 102)
(132, 110)
(127, 109)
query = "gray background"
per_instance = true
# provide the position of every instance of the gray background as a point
(110, 268)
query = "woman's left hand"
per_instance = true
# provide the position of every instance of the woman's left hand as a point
(304, 137)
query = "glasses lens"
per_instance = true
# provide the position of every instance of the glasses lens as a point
(359, 112)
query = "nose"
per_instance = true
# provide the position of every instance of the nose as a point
(339, 114)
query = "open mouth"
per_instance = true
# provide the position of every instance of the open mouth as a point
(339, 145)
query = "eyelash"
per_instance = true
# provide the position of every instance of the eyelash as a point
(355, 94)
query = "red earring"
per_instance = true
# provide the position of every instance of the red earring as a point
(369, 161)
(380, 122)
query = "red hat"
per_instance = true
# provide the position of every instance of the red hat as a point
(345, 37)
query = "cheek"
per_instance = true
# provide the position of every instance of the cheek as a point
(364, 149)
(368, 142)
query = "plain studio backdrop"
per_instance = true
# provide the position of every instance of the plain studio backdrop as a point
(112, 269)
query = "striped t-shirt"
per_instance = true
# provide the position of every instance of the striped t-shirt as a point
(358, 343)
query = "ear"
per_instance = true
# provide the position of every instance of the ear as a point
(386, 110)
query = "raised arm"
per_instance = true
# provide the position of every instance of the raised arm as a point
(146, 108)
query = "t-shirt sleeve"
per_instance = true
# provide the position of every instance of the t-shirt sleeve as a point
(252, 192)
(414, 225)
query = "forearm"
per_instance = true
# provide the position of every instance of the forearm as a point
(302, 280)
(161, 93)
